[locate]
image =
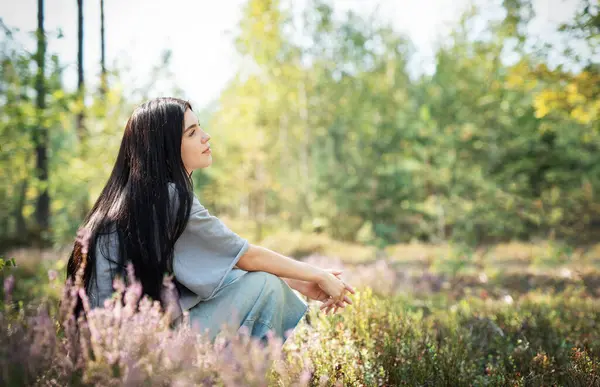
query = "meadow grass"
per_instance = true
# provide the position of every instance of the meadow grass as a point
(426, 325)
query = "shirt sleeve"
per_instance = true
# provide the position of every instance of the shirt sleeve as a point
(206, 252)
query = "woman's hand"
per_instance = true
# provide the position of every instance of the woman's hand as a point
(336, 289)
(333, 304)
(314, 292)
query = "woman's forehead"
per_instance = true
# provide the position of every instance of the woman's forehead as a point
(190, 117)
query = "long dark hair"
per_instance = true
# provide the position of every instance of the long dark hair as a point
(136, 202)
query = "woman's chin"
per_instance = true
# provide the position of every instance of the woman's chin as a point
(207, 164)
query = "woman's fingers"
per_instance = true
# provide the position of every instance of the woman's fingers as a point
(339, 301)
(337, 273)
(331, 305)
(327, 303)
(322, 297)
(333, 286)
(349, 288)
(341, 304)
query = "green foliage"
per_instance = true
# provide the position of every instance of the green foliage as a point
(397, 341)
(78, 164)
(6, 262)
(447, 338)
(326, 129)
(336, 133)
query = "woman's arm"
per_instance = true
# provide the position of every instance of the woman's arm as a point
(259, 258)
(295, 284)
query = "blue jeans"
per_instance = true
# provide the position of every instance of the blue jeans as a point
(259, 301)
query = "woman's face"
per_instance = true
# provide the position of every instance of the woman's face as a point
(195, 149)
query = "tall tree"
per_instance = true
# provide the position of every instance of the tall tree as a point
(103, 85)
(42, 209)
(80, 78)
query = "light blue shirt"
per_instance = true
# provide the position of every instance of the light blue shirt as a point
(205, 253)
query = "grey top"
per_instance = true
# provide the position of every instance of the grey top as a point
(204, 254)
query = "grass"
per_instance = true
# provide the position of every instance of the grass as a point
(533, 340)
(514, 314)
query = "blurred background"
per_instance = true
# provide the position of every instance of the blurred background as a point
(445, 154)
(455, 136)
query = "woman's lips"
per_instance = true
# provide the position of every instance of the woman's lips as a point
(207, 151)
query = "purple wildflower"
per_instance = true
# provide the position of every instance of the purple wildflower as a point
(52, 275)
(9, 285)
(83, 238)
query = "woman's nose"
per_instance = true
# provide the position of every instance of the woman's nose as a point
(205, 137)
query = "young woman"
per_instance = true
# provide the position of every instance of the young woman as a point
(148, 216)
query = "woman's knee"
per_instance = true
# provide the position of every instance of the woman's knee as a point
(270, 283)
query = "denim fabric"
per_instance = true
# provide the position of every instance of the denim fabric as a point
(258, 301)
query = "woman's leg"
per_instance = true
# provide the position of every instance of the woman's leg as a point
(258, 301)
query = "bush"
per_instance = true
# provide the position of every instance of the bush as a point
(449, 333)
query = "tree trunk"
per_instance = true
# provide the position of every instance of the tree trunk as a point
(42, 209)
(21, 225)
(80, 79)
(80, 130)
(103, 81)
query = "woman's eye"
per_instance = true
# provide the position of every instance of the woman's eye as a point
(192, 132)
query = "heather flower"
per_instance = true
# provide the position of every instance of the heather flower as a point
(9, 285)
(83, 238)
(380, 341)
(52, 275)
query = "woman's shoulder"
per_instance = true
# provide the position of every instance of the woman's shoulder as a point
(174, 198)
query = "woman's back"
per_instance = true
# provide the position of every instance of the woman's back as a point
(203, 256)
